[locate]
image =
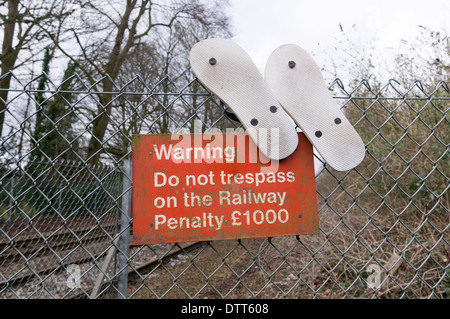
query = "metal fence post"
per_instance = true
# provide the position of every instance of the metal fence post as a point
(124, 231)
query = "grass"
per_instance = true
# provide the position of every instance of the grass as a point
(392, 211)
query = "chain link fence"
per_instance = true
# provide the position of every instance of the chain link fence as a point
(65, 221)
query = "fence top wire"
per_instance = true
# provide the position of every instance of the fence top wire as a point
(182, 82)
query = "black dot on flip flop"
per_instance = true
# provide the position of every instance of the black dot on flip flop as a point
(318, 133)
(291, 64)
(254, 122)
(212, 61)
(273, 109)
(337, 120)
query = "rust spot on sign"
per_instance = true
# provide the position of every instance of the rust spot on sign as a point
(214, 187)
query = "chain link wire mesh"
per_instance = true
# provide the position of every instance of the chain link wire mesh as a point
(64, 220)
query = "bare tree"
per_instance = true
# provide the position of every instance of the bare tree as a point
(107, 33)
(424, 56)
(160, 61)
(21, 21)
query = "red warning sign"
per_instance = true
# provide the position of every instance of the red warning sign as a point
(198, 187)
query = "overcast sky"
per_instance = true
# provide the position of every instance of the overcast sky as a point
(263, 25)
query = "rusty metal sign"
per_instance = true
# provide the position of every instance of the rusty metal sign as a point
(198, 187)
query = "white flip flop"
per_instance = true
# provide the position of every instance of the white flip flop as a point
(226, 70)
(297, 82)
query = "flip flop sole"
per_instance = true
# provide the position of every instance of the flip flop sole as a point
(297, 82)
(226, 70)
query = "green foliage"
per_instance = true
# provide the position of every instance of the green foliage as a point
(47, 192)
(53, 135)
(3, 214)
